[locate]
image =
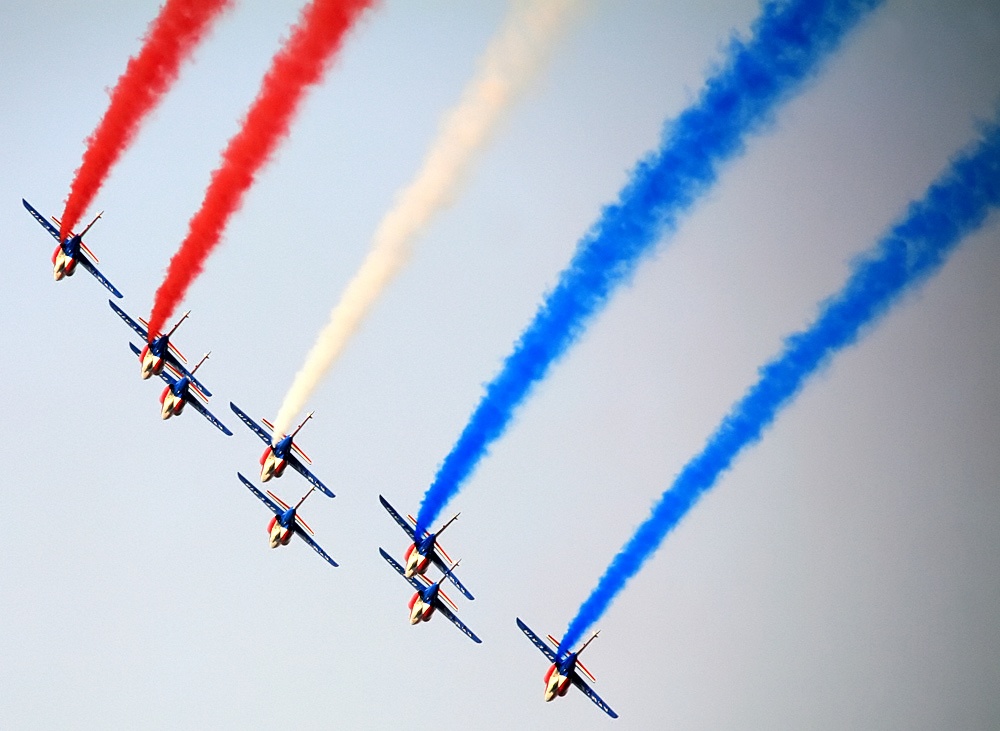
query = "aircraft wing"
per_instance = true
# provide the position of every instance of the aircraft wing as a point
(254, 426)
(399, 570)
(407, 528)
(203, 410)
(315, 546)
(437, 561)
(310, 477)
(42, 220)
(446, 611)
(263, 498)
(140, 330)
(163, 374)
(537, 641)
(576, 680)
(89, 266)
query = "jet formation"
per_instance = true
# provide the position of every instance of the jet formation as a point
(159, 356)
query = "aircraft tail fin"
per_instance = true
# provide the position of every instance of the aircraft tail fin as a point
(84, 233)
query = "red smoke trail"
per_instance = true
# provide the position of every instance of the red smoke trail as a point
(300, 63)
(170, 39)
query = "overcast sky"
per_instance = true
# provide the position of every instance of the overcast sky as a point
(844, 574)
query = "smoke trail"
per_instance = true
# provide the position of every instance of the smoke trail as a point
(788, 42)
(510, 62)
(170, 39)
(916, 247)
(299, 64)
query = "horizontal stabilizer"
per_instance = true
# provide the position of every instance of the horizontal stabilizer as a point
(173, 349)
(89, 253)
(443, 553)
(298, 450)
(448, 599)
(282, 503)
(586, 672)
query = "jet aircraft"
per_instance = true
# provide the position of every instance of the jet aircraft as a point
(563, 670)
(429, 598)
(425, 551)
(281, 453)
(72, 251)
(286, 521)
(181, 391)
(159, 351)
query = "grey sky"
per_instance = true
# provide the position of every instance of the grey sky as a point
(843, 575)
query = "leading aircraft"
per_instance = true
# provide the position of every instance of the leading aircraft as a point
(159, 351)
(180, 391)
(72, 251)
(429, 598)
(286, 521)
(563, 670)
(281, 453)
(422, 553)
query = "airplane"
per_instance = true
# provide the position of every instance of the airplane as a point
(72, 251)
(429, 597)
(421, 554)
(286, 521)
(159, 351)
(563, 670)
(282, 453)
(179, 392)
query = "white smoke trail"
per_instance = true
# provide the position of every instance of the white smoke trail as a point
(510, 62)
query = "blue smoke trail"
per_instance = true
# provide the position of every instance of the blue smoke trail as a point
(788, 42)
(914, 249)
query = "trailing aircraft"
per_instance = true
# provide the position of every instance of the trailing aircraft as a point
(72, 251)
(158, 351)
(181, 391)
(425, 551)
(429, 598)
(286, 521)
(564, 669)
(281, 453)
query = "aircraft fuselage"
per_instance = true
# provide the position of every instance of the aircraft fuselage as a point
(170, 403)
(150, 364)
(416, 562)
(271, 465)
(63, 263)
(556, 684)
(278, 534)
(420, 609)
